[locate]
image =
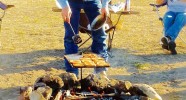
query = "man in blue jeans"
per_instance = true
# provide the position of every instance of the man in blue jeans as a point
(71, 14)
(174, 20)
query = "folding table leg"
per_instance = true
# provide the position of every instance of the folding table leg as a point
(110, 39)
(81, 76)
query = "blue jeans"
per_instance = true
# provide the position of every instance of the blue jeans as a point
(98, 46)
(173, 23)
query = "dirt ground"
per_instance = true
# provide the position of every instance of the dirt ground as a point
(31, 41)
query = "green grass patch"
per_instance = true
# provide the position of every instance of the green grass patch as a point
(144, 66)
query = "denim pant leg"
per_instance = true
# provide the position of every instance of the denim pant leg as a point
(168, 20)
(99, 37)
(70, 47)
(179, 23)
(99, 46)
(173, 23)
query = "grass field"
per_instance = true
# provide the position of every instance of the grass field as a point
(32, 43)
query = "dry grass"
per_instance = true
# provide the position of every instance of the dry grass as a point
(32, 41)
(31, 25)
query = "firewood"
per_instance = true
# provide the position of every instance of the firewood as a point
(24, 93)
(45, 91)
(144, 90)
(54, 82)
(70, 80)
(35, 95)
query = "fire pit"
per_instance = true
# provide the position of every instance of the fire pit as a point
(100, 89)
(111, 96)
(67, 87)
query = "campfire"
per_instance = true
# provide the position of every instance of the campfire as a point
(67, 87)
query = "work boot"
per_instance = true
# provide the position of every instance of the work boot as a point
(172, 47)
(165, 41)
(169, 45)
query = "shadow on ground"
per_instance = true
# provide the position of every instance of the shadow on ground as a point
(44, 59)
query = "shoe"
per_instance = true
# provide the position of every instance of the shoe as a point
(172, 48)
(169, 45)
(165, 41)
(165, 47)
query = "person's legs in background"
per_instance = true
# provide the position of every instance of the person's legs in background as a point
(168, 21)
(173, 23)
(175, 28)
(99, 37)
(70, 47)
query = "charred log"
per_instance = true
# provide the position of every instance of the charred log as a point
(144, 90)
(70, 81)
(54, 82)
(25, 92)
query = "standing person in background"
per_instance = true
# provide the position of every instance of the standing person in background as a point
(174, 20)
(71, 14)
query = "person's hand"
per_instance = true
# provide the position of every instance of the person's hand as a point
(105, 11)
(66, 14)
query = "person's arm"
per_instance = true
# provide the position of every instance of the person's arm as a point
(66, 11)
(104, 9)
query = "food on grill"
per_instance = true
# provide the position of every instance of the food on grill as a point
(97, 59)
(75, 61)
(89, 55)
(86, 55)
(87, 60)
(101, 63)
(88, 63)
(93, 56)
(92, 60)
(78, 65)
